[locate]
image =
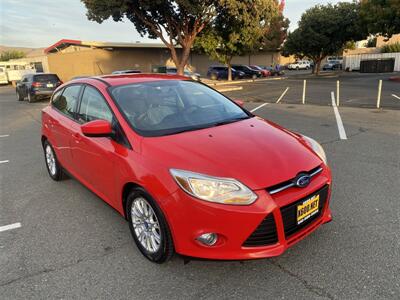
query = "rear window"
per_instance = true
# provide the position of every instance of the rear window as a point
(46, 78)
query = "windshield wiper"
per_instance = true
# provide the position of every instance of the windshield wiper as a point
(231, 121)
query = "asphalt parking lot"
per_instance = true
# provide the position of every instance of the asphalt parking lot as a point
(71, 244)
(356, 89)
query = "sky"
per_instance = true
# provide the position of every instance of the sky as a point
(41, 23)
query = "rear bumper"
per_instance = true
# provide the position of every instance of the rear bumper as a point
(36, 92)
(188, 218)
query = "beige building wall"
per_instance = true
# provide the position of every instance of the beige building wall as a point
(101, 61)
(96, 61)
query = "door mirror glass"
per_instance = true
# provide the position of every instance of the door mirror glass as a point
(97, 128)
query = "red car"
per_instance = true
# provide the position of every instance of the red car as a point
(264, 72)
(191, 170)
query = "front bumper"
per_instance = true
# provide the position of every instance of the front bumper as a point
(188, 218)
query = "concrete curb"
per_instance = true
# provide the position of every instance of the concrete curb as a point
(229, 89)
(212, 83)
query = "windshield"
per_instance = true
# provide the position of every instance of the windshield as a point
(172, 106)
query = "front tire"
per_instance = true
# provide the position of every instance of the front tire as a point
(148, 226)
(52, 164)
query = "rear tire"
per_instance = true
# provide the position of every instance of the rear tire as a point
(31, 98)
(19, 97)
(52, 164)
(214, 77)
(148, 226)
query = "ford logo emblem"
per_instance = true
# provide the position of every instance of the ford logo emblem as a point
(302, 180)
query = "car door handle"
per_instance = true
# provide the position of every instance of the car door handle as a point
(77, 137)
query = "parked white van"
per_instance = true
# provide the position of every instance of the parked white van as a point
(3, 76)
(15, 70)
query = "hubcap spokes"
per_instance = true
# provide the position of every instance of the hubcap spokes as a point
(145, 225)
(50, 160)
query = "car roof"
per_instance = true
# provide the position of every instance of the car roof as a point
(122, 79)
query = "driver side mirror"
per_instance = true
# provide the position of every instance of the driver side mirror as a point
(97, 128)
(239, 102)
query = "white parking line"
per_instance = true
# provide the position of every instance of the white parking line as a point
(258, 107)
(4, 161)
(282, 95)
(4, 135)
(342, 132)
(9, 227)
(396, 96)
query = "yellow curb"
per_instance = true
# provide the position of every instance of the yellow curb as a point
(229, 89)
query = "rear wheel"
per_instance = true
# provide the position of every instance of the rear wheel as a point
(31, 98)
(214, 76)
(52, 164)
(19, 96)
(148, 226)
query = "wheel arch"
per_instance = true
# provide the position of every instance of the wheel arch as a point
(125, 191)
(43, 139)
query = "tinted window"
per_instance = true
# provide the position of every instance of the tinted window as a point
(93, 106)
(46, 78)
(66, 103)
(168, 107)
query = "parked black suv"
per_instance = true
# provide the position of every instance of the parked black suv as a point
(249, 72)
(34, 86)
(221, 72)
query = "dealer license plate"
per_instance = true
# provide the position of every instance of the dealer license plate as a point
(307, 209)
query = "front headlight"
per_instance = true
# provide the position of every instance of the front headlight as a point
(316, 147)
(214, 189)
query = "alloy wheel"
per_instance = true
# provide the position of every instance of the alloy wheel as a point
(51, 160)
(145, 225)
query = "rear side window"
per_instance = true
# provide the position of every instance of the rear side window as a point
(66, 103)
(93, 107)
(46, 78)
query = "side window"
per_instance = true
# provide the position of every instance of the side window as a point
(66, 102)
(56, 95)
(93, 107)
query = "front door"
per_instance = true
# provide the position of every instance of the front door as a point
(95, 157)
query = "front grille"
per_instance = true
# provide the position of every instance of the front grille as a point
(291, 182)
(289, 213)
(265, 234)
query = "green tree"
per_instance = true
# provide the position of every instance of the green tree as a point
(381, 16)
(390, 48)
(371, 42)
(11, 54)
(277, 31)
(237, 29)
(173, 22)
(324, 30)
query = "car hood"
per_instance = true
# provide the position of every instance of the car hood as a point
(254, 151)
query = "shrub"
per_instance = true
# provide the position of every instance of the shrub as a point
(395, 47)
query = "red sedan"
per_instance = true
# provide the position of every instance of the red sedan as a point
(191, 170)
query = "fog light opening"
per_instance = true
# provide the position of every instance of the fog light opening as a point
(208, 239)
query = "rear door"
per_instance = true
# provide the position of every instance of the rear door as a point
(62, 121)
